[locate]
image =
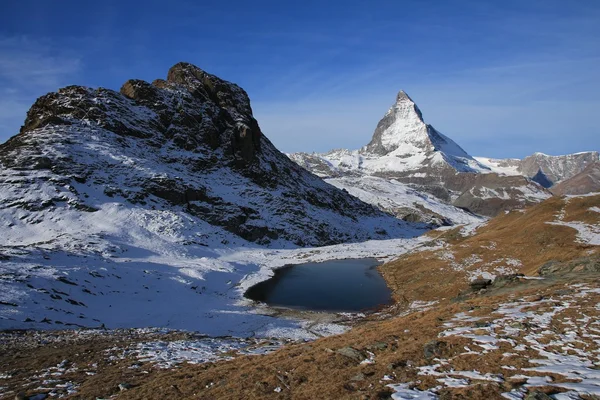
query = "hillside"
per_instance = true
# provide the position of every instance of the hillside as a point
(587, 181)
(112, 201)
(449, 336)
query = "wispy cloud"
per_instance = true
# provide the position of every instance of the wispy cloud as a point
(28, 69)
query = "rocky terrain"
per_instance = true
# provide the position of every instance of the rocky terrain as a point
(509, 313)
(411, 154)
(133, 222)
(112, 201)
(587, 181)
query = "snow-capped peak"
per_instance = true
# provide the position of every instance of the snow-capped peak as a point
(401, 125)
(403, 134)
(402, 98)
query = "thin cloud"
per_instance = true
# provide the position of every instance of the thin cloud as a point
(28, 69)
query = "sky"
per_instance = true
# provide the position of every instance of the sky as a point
(502, 78)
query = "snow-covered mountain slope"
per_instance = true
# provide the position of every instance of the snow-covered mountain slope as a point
(403, 201)
(126, 265)
(406, 150)
(542, 168)
(402, 144)
(189, 142)
(113, 203)
(502, 166)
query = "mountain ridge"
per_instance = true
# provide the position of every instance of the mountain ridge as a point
(410, 152)
(554, 168)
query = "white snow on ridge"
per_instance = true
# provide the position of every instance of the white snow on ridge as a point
(391, 195)
(129, 266)
(508, 166)
(586, 233)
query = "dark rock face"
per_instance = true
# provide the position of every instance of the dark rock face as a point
(189, 141)
(435, 348)
(542, 179)
(479, 284)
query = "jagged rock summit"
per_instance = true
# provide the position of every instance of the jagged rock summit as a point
(403, 133)
(188, 144)
(192, 108)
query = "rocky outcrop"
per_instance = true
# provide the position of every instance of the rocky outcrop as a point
(587, 181)
(557, 168)
(189, 142)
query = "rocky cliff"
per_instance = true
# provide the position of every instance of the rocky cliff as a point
(587, 181)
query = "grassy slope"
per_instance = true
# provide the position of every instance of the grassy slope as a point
(517, 236)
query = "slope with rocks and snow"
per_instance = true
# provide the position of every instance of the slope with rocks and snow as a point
(407, 151)
(587, 181)
(112, 201)
(508, 311)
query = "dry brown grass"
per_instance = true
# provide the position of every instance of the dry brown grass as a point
(317, 371)
(518, 235)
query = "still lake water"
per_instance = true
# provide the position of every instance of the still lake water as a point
(336, 285)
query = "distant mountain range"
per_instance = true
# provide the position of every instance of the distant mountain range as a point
(542, 168)
(410, 154)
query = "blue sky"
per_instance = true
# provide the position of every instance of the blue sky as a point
(502, 78)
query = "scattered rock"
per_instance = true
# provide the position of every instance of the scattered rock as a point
(479, 284)
(504, 280)
(378, 346)
(124, 386)
(580, 265)
(351, 353)
(358, 377)
(397, 364)
(435, 348)
(537, 395)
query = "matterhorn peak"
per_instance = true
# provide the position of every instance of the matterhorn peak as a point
(403, 96)
(403, 134)
(402, 123)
